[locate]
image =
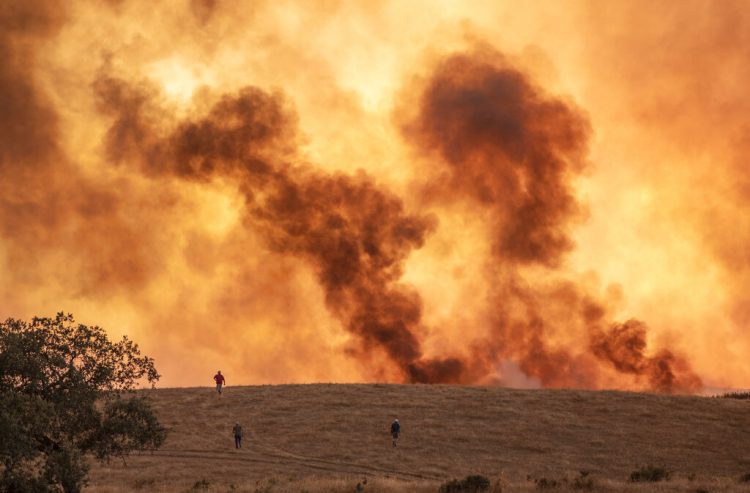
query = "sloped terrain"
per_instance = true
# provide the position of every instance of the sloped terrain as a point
(331, 437)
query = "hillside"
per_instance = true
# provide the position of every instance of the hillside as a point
(330, 437)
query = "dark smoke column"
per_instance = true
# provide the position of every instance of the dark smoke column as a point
(355, 234)
(508, 146)
(501, 142)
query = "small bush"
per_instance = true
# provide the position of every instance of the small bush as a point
(361, 485)
(265, 486)
(650, 474)
(583, 482)
(470, 484)
(736, 395)
(141, 484)
(701, 490)
(745, 478)
(547, 484)
(201, 485)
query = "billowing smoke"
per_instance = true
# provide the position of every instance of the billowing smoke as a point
(28, 130)
(515, 152)
(50, 211)
(355, 234)
(624, 346)
(226, 182)
(509, 147)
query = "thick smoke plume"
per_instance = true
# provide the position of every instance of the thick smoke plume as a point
(49, 208)
(234, 185)
(355, 234)
(510, 148)
(515, 151)
(28, 128)
(624, 346)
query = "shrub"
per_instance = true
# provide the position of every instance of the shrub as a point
(201, 485)
(470, 484)
(583, 482)
(265, 486)
(745, 478)
(736, 395)
(141, 484)
(361, 486)
(650, 473)
(546, 484)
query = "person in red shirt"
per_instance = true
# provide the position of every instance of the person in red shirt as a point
(219, 379)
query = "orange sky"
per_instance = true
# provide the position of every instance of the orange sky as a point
(553, 194)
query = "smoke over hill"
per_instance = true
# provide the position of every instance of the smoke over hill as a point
(289, 214)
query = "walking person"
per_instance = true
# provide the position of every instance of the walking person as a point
(237, 435)
(219, 379)
(395, 430)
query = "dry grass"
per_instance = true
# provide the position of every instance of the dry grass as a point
(329, 438)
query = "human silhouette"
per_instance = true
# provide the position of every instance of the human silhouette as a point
(395, 430)
(237, 435)
(219, 379)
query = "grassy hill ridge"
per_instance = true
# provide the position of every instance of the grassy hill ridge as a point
(325, 437)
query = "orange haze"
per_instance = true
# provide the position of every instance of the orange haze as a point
(484, 193)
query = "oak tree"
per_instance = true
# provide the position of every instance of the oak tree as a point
(66, 393)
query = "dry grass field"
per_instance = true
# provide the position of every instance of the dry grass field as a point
(321, 438)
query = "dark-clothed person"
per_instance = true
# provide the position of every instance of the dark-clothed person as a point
(237, 435)
(395, 430)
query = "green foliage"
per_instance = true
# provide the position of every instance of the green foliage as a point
(470, 484)
(650, 474)
(127, 425)
(62, 395)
